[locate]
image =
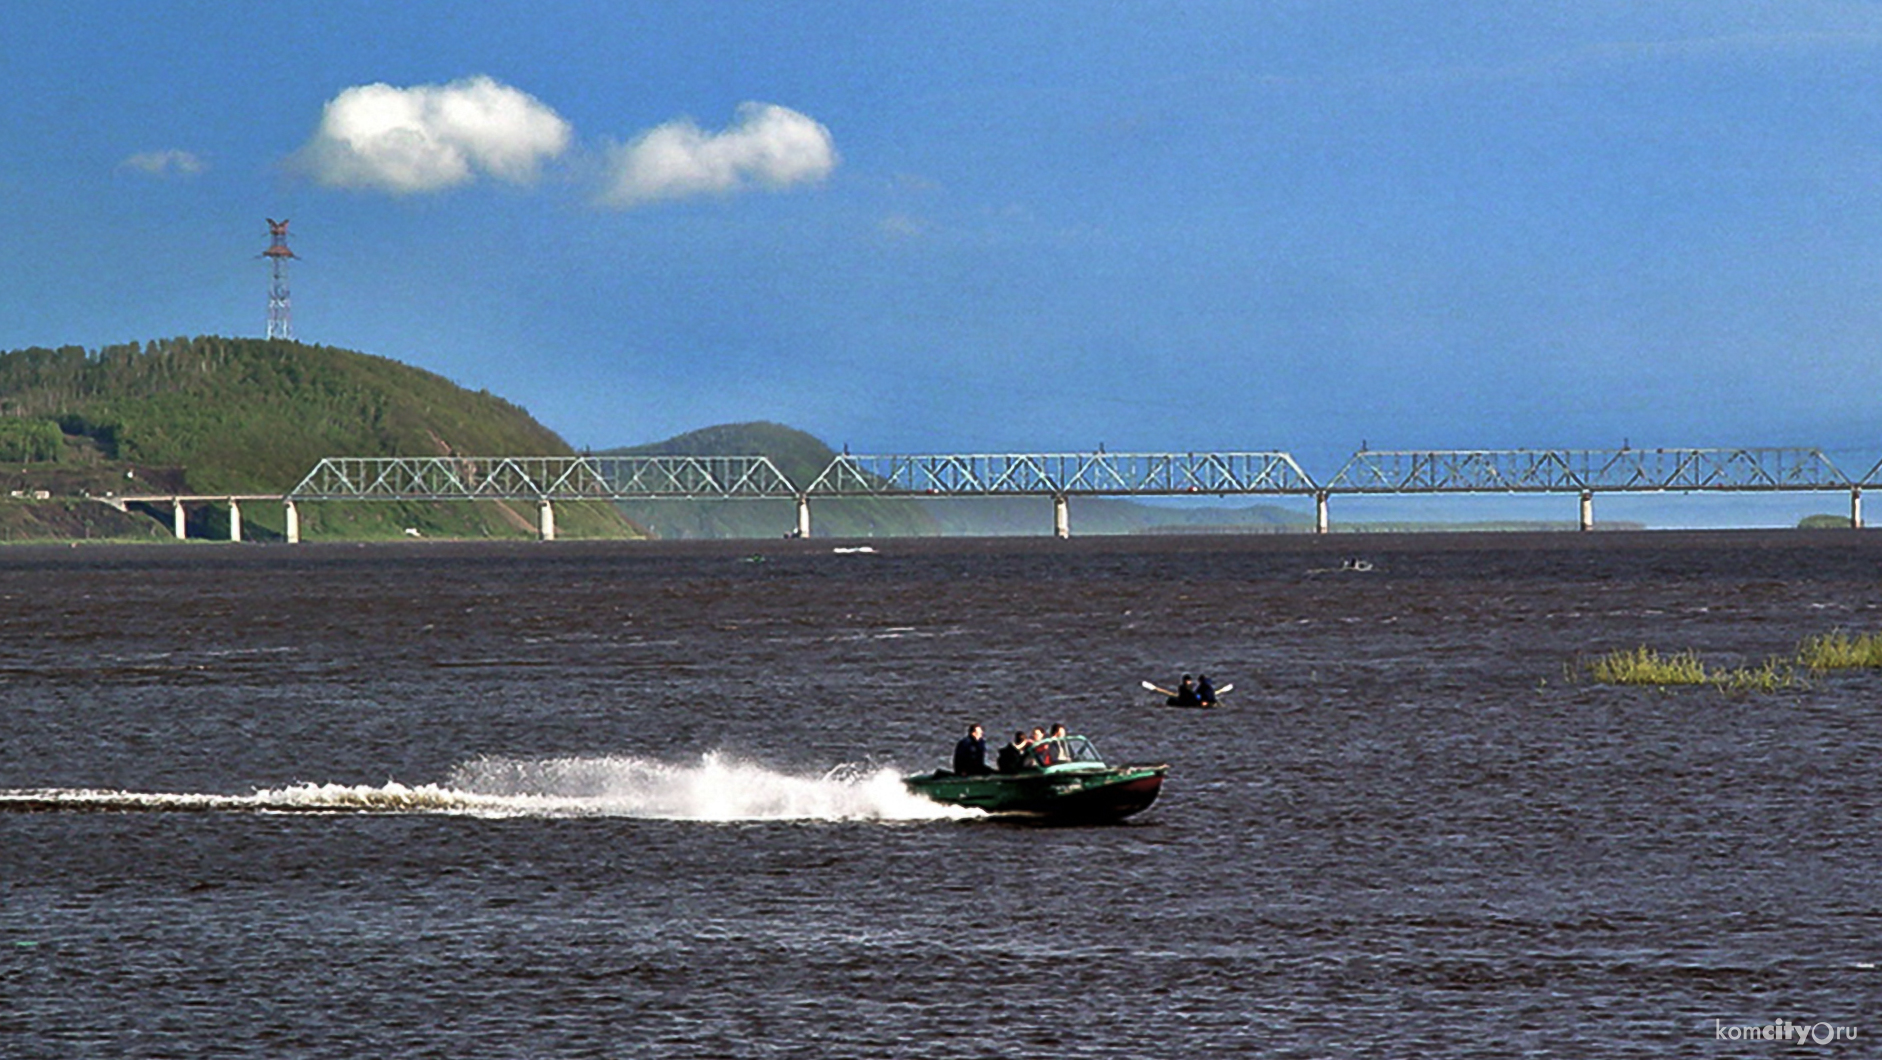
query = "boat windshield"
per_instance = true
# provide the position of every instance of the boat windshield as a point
(1059, 751)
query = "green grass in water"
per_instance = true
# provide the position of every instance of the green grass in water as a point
(1840, 651)
(1644, 666)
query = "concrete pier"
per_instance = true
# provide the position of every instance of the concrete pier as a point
(1587, 509)
(1855, 507)
(1061, 516)
(803, 516)
(1320, 520)
(177, 525)
(545, 521)
(235, 519)
(291, 519)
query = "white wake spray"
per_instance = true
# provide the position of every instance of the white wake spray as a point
(715, 788)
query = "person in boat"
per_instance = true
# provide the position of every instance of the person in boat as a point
(1205, 691)
(1186, 694)
(970, 754)
(1039, 753)
(1012, 754)
(1053, 752)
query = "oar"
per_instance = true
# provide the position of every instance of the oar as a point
(1230, 687)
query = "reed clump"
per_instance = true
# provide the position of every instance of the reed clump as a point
(1644, 666)
(1774, 676)
(1840, 651)
(1816, 655)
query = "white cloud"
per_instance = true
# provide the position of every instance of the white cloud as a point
(768, 146)
(164, 163)
(430, 137)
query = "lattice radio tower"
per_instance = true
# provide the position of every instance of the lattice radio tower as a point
(280, 315)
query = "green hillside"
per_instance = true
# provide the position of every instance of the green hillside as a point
(219, 415)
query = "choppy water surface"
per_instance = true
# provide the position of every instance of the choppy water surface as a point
(602, 799)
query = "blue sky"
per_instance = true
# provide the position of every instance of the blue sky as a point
(934, 227)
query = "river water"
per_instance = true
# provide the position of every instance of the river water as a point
(616, 799)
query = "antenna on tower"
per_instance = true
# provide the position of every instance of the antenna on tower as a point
(280, 316)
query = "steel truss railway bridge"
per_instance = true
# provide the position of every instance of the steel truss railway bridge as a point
(545, 480)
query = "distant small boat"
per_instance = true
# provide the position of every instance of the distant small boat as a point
(1061, 779)
(1177, 699)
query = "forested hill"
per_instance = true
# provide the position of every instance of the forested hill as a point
(800, 456)
(222, 415)
(252, 414)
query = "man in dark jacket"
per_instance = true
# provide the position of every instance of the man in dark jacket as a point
(1011, 754)
(970, 755)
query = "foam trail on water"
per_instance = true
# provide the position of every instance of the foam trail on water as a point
(715, 788)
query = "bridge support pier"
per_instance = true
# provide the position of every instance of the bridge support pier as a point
(1320, 522)
(545, 521)
(803, 516)
(1587, 509)
(1061, 516)
(1855, 507)
(177, 526)
(235, 520)
(291, 518)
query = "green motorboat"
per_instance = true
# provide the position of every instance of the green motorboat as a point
(1063, 778)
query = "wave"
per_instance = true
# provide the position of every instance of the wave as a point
(715, 788)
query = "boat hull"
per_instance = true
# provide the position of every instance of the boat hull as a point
(1069, 794)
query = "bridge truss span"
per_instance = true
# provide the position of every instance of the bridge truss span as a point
(1063, 474)
(1625, 470)
(1060, 476)
(541, 478)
